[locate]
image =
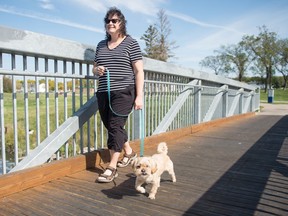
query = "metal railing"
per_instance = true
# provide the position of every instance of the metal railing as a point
(48, 108)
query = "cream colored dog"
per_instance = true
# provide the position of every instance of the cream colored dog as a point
(149, 169)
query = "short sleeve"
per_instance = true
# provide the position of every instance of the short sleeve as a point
(135, 52)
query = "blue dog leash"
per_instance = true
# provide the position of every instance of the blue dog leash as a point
(142, 132)
(141, 119)
(108, 89)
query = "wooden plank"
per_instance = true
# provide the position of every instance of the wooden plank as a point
(21, 180)
(66, 195)
(13, 182)
(115, 204)
(7, 208)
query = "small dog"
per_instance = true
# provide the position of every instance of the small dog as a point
(149, 169)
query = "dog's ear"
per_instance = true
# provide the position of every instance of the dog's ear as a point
(153, 166)
(134, 162)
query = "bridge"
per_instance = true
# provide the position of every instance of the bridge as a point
(236, 166)
(216, 137)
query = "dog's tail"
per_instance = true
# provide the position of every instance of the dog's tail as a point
(162, 148)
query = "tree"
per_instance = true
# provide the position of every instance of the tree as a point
(282, 60)
(264, 54)
(236, 59)
(69, 85)
(258, 69)
(229, 59)
(51, 84)
(150, 38)
(156, 39)
(164, 32)
(60, 86)
(7, 84)
(215, 63)
(264, 49)
(19, 84)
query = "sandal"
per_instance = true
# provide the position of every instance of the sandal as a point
(126, 160)
(106, 178)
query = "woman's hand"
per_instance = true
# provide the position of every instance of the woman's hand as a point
(98, 70)
(138, 104)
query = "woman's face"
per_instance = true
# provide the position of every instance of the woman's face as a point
(112, 24)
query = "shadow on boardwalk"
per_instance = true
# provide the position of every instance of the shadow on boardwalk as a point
(257, 183)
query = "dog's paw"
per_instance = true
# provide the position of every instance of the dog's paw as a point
(151, 196)
(141, 189)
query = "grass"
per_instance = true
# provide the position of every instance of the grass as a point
(20, 115)
(280, 96)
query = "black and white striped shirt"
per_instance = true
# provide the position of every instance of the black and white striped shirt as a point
(119, 63)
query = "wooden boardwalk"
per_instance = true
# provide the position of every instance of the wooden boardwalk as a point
(235, 168)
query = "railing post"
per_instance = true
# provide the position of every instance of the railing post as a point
(216, 101)
(2, 128)
(241, 98)
(197, 103)
(15, 118)
(252, 103)
(225, 102)
(26, 107)
(236, 101)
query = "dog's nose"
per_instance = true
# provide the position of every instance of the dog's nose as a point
(143, 170)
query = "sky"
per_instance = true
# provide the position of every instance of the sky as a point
(199, 27)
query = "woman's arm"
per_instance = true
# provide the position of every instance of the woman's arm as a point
(139, 75)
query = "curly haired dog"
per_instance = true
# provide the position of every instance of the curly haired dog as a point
(149, 169)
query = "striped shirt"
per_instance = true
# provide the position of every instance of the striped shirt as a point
(119, 63)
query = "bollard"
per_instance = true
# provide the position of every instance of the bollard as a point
(270, 95)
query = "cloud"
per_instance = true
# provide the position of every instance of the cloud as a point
(46, 4)
(43, 17)
(247, 24)
(195, 50)
(95, 5)
(192, 20)
(148, 7)
(214, 40)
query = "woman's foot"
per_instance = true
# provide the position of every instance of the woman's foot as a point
(126, 160)
(109, 175)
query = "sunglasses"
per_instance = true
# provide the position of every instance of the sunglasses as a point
(114, 21)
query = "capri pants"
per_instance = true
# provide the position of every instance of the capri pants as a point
(122, 103)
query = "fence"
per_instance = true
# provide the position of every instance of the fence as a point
(50, 111)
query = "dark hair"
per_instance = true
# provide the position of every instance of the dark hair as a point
(115, 11)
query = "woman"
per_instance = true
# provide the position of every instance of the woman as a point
(119, 54)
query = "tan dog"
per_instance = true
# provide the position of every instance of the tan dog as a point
(149, 169)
